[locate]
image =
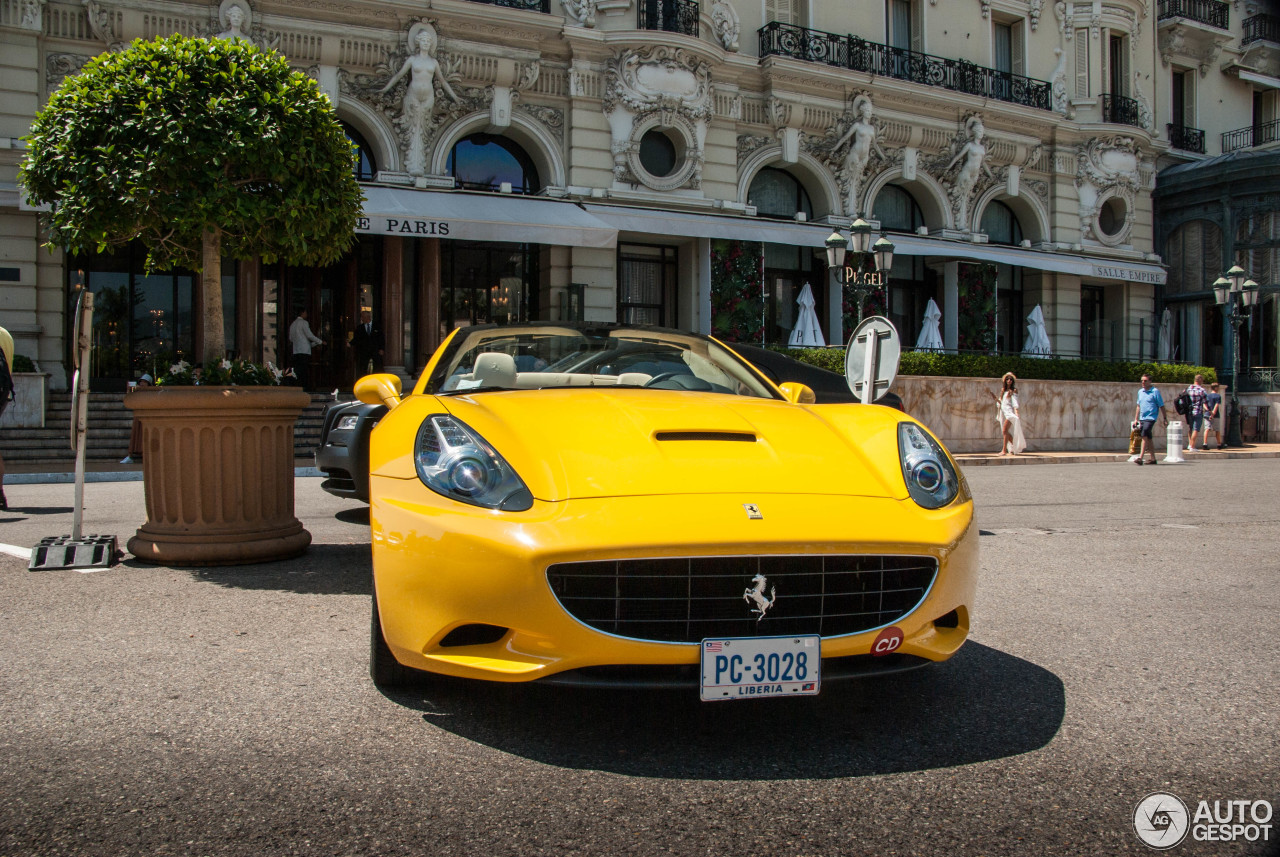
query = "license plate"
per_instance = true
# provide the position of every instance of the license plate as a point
(761, 667)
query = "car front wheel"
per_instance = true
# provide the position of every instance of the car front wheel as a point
(384, 669)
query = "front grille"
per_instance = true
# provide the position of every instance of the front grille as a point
(685, 600)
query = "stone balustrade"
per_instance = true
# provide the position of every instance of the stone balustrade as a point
(1057, 416)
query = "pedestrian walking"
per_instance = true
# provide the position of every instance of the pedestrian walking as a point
(1012, 440)
(6, 393)
(1150, 403)
(1214, 403)
(369, 346)
(301, 339)
(1198, 411)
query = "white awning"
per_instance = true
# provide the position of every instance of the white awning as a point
(1063, 263)
(643, 221)
(648, 222)
(480, 217)
(1260, 79)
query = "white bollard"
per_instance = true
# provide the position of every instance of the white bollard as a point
(1173, 443)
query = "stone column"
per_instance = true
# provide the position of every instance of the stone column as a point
(951, 305)
(249, 310)
(703, 249)
(392, 320)
(429, 298)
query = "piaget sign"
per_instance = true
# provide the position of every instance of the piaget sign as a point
(854, 277)
(1131, 275)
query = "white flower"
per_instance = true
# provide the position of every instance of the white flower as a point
(226, 364)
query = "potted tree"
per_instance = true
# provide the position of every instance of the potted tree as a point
(199, 149)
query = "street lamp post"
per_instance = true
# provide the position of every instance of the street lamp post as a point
(859, 242)
(1236, 295)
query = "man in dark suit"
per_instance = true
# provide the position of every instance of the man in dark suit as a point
(369, 346)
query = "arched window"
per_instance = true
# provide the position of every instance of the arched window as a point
(365, 168)
(486, 161)
(1001, 224)
(776, 193)
(897, 211)
(1194, 256)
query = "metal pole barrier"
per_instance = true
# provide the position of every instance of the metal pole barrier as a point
(1173, 443)
(81, 409)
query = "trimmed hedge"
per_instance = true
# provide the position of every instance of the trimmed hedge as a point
(987, 366)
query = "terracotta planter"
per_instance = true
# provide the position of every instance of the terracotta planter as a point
(217, 470)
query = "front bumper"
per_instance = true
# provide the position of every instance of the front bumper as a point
(439, 566)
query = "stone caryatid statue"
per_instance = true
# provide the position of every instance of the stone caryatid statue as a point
(419, 102)
(862, 137)
(582, 11)
(972, 159)
(234, 17)
(727, 26)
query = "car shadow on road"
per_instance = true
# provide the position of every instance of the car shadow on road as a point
(324, 570)
(981, 705)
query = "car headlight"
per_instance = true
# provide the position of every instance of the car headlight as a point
(454, 461)
(931, 479)
(347, 423)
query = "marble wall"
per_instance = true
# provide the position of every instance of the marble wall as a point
(1056, 415)
(31, 389)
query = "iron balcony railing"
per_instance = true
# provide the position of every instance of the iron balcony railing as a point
(1210, 12)
(1254, 135)
(528, 5)
(851, 52)
(1261, 28)
(1186, 139)
(1260, 379)
(671, 16)
(1121, 110)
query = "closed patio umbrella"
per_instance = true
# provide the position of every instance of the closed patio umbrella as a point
(1037, 341)
(808, 332)
(930, 333)
(1164, 348)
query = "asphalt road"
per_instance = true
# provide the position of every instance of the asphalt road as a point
(1124, 642)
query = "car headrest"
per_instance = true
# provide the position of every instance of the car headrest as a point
(495, 369)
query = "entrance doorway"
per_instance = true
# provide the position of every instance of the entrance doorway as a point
(333, 297)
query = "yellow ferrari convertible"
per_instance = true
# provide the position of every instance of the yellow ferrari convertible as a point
(617, 505)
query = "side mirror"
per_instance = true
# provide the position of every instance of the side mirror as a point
(797, 393)
(379, 390)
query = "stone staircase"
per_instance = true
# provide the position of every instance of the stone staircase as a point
(108, 432)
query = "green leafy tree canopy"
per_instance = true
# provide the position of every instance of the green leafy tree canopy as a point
(197, 148)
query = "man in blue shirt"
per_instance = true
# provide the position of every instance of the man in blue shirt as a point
(1150, 402)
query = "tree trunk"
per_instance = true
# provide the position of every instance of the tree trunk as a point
(211, 289)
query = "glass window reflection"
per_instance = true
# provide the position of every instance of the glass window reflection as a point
(485, 162)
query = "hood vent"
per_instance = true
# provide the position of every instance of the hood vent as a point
(739, 436)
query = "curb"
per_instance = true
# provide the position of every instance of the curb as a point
(970, 460)
(111, 476)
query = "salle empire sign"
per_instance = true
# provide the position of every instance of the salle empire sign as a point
(395, 226)
(1128, 274)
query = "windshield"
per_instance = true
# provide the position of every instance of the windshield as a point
(535, 357)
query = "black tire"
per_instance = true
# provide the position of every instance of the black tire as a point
(384, 669)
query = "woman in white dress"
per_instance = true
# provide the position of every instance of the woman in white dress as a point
(1012, 441)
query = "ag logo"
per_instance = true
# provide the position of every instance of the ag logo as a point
(886, 642)
(1161, 820)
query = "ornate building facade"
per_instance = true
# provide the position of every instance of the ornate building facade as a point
(670, 162)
